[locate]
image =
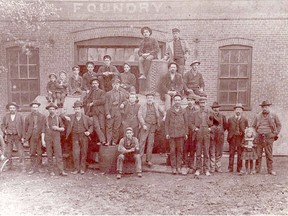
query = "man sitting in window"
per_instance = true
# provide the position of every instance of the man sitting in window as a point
(106, 73)
(149, 48)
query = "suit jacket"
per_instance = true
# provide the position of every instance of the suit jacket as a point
(29, 124)
(97, 97)
(108, 103)
(197, 119)
(154, 44)
(168, 84)
(169, 54)
(176, 124)
(143, 112)
(19, 124)
(232, 124)
(86, 120)
(86, 80)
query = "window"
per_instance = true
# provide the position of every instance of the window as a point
(23, 75)
(234, 76)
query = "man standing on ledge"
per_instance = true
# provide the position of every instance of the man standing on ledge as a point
(177, 50)
(267, 126)
(148, 51)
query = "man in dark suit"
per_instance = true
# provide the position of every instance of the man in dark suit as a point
(80, 127)
(34, 128)
(86, 79)
(236, 128)
(13, 128)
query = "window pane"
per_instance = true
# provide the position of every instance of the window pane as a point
(232, 97)
(34, 86)
(224, 85)
(242, 97)
(14, 71)
(92, 54)
(244, 55)
(101, 53)
(223, 98)
(234, 70)
(22, 58)
(233, 85)
(16, 97)
(24, 85)
(234, 56)
(25, 99)
(224, 70)
(243, 85)
(82, 55)
(23, 72)
(224, 56)
(243, 70)
(34, 57)
(33, 71)
(13, 57)
(119, 54)
(129, 54)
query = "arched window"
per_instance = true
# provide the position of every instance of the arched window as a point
(234, 84)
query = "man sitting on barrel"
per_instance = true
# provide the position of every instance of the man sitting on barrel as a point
(129, 151)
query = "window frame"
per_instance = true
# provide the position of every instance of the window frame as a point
(230, 107)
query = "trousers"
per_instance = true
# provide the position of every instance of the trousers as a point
(143, 136)
(176, 152)
(121, 159)
(80, 148)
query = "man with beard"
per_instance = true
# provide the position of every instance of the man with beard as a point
(80, 127)
(34, 128)
(236, 131)
(13, 129)
(95, 102)
(267, 126)
(217, 138)
(52, 139)
(176, 130)
(171, 84)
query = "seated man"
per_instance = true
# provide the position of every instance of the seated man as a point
(106, 73)
(193, 80)
(129, 149)
(171, 84)
(128, 79)
(148, 51)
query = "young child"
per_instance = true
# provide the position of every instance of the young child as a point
(249, 153)
(52, 87)
(62, 89)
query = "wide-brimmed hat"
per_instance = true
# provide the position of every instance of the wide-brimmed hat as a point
(51, 104)
(144, 28)
(215, 105)
(177, 95)
(239, 105)
(265, 103)
(194, 62)
(172, 63)
(12, 104)
(93, 79)
(52, 74)
(77, 104)
(175, 30)
(35, 102)
(116, 80)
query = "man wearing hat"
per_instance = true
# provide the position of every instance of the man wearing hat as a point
(176, 130)
(149, 118)
(106, 72)
(80, 127)
(113, 106)
(94, 106)
(171, 84)
(193, 80)
(148, 51)
(236, 130)
(177, 50)
(52, 87)
(13, 129)
(268, 127)
(52, 140)
(201, 125)
(129, 150)
(34, 130)
(217, 138)
(189, 148)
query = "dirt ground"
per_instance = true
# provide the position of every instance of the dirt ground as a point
(154, 193)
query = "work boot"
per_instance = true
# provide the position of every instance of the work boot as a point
(272, 173)
(174, 171)
(63, 173)
(197, 173)
(149, 164)
(118, 176)
(82, 172)
(207, 173)
(75, 172)
(139, 174)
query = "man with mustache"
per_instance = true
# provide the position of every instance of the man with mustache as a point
(236, 127)
(267, 126)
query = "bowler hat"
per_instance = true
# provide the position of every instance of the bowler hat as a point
(51, 104)
(12, 104)
(150, 94)
(77, 104)
(35, 102)
(94, 78)
(52, 74)
(146, 28)
(215, 105)
(174, 30)
(265, 103)
(177, 94)
(239, 105)
(172, 63)
(107, 56)
(129, 129)
(194, 62)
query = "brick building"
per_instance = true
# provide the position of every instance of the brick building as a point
(241, 44)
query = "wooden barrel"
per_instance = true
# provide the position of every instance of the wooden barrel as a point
(108, 159)
(157, 70)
